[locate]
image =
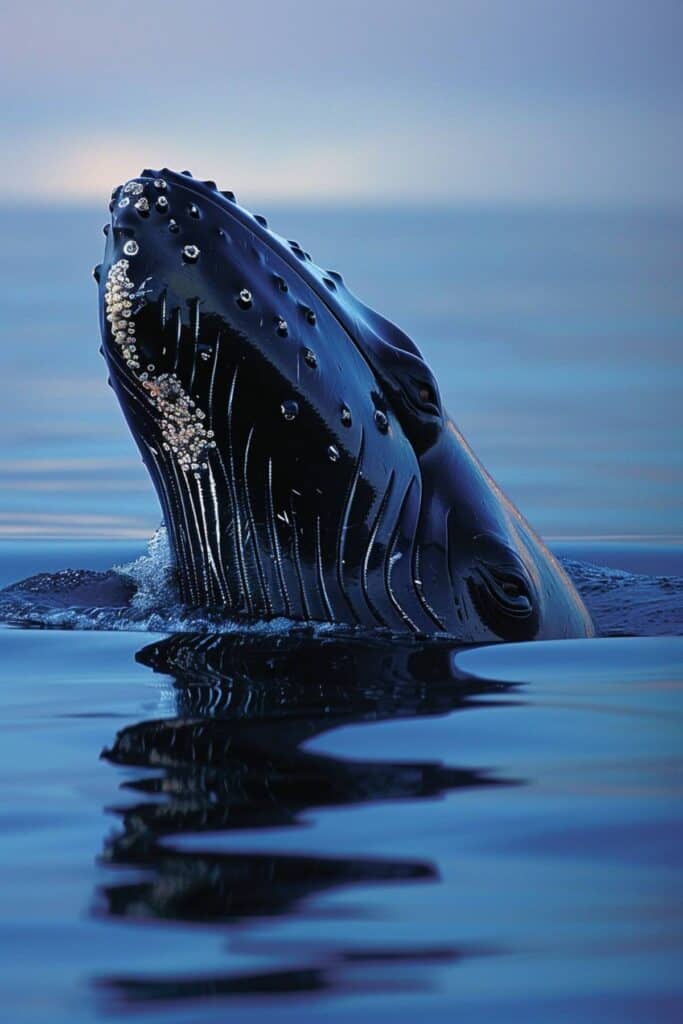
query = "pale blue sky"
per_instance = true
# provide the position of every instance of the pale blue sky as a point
(462, 100)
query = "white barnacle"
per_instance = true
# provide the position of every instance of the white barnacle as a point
(180, 420)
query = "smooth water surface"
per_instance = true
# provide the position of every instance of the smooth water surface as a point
(202, 828)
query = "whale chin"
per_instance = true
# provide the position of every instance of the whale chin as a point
(296, 439)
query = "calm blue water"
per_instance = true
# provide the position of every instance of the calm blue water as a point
(276, 826)
(329, 832)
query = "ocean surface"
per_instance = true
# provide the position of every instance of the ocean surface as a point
(277, 824)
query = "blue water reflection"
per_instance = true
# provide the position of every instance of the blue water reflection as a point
(299, 828)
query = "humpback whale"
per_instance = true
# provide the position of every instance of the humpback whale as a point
(296, 439)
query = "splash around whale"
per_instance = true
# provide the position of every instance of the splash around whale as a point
(296, 439)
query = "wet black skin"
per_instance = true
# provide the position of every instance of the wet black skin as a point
(338, 490)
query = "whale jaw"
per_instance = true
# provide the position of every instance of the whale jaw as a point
(286, 482)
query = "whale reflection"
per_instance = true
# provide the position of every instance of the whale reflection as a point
(231, 757)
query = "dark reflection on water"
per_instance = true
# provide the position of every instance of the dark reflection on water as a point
(231, 758)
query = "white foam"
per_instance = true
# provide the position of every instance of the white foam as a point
(154, 576)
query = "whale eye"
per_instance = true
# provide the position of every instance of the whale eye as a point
(423, 395)
(502, 590)
(513, 589)
(508, 588)
(131, 248)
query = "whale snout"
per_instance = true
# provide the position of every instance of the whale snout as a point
(193, 286)
(281, 467)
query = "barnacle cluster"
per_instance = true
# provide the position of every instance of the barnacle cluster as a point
(182, 423)
(118, 299)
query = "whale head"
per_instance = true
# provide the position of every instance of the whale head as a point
(296, 438)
